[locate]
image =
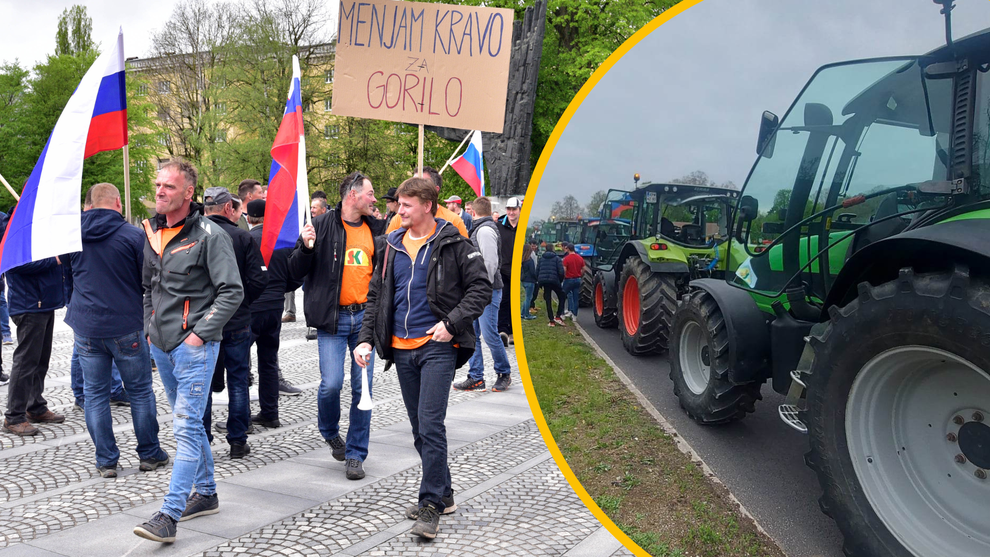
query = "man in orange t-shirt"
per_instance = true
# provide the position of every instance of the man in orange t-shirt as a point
(337, 270)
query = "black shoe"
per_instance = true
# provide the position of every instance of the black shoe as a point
(4, 378)
(200, 505)
(239, 450)
(502, 383)
(285, 388)
(107, 471)
(355, 471)
(427, 522)
(257, 419)
(412, 512)
(311, 334)
(505, 339)
(149, 464)
(469, 385)
(221, 427)
(121, 400)
(337, 447)
(161, 528)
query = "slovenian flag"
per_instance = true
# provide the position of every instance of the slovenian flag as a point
(288, 187)
(46, 221)
(471, 165)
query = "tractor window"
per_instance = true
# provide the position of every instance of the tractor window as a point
(840, 176)
(981, 133)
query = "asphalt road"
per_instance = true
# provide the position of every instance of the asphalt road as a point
(759, 459)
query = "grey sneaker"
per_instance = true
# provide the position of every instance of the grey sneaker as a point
(286, 388)
(107, 471)
(161, 528)
(149, 464)
(354, 469)
(200, 505)
(412, 511)
(337, 447)
(469, 385)
(427, 523)
(502, 383)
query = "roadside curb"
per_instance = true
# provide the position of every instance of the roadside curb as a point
(679, 441)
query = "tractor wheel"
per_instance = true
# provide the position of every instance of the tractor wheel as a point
(898, 406)
(587, 287)
(603, 308)
(646, 306)
(700, 362)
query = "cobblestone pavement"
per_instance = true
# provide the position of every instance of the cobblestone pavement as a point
(289, 497)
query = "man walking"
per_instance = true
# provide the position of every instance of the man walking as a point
(106, 315)
(235, 348)
(421, 306)
(266, 322)
(550, 273)
(454, 206)
(486, 238)
(191, 289)
(37, 289)
(573, 267)
(507, 229)
(337, 269)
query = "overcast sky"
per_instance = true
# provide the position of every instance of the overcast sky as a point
(30, 25)
(690, 95)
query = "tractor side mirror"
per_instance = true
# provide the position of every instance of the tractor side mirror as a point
(767, 138)
(749, 208)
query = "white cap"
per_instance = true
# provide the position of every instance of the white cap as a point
(513, 203)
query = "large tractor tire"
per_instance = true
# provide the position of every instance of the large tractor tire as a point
(603, 305)
(587, 287)
(898, 406)
(646, 305)
(700, 362)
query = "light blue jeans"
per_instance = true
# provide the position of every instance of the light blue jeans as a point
(487, 326)
(334, 350)
(186, 374)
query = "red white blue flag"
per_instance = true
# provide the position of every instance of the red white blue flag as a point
(471, 165)
(47, 222)
(288, 187)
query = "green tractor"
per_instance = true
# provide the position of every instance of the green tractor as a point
(651, 243)
(868, 302)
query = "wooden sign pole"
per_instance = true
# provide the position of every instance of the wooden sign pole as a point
(420, 154)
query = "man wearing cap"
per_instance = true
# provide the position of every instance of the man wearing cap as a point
(507, 230)
(442, 212)
(235, 348)
(391, 204)
(266, 322)
(454, 206)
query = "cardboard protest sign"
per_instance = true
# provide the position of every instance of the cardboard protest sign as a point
(421, 63)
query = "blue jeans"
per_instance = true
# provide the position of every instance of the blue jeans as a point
(186, 373)
(235, 353)
(572, 288)
(334, 350)
(78, 381)
(529, 288)
(4, 310)
(424, 377)
(95, 357)
(487, 326)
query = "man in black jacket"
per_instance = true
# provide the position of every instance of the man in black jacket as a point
(235, 348)
(507, 229)
(266, 319)
(337, 269)
(424, 297)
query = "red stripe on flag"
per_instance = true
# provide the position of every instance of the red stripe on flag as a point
(281, 190)
(106, 132)
(468, 172)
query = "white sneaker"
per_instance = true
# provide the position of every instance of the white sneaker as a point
(568, 314)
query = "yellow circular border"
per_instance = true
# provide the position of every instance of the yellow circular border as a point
(520, 343)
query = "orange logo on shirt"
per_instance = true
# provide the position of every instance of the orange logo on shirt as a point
(356, 257)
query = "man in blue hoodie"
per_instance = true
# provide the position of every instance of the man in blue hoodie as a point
(107, 316)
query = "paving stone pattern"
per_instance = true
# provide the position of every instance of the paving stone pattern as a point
(512, 498)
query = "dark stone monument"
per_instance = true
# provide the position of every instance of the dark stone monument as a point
(507, 153)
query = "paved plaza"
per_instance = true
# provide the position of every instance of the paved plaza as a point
(289, 497)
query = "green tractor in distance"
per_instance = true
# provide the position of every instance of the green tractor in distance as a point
(651, 242)
(581, 233)
(868, 304)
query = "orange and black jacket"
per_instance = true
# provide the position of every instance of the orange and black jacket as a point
(191, 282)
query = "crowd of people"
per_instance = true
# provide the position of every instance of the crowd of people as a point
(189, 292)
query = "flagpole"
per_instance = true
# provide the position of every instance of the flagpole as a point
(420, 156)
(127, 183)
(463, 141)
(10, 189)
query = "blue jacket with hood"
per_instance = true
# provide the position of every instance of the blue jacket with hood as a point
(107, 297)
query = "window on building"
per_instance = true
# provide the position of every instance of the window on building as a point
(221, 136)
(220, 108)
(307, 106)
(142, 90)
(164, 87)
(165, 139)
(326, 105)
(329, 76)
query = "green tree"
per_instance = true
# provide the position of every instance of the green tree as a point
(75, 32)
(13, 158)
(595, 204)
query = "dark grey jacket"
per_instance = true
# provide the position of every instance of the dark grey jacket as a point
(191, 284)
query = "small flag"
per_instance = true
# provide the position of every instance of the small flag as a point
(288, 186)
(46, 221)
(471, 165)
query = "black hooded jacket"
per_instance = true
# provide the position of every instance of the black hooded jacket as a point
(251, 266)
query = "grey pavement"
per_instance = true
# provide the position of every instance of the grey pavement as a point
(289, 497)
